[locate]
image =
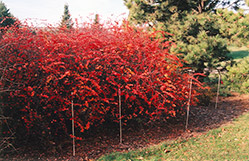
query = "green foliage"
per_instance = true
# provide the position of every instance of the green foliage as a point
(234, 26)
(6, 18)
(154, 11)
(198, 38)
(66, 18)
(160, 11)
(96, 19)
(201, 36)
(237, 78)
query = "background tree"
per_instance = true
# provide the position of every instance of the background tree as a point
(66, 18)
(234, 26)
(193, 25)
(154, 11)
(6, 18)
(198, 39)
(96, 19)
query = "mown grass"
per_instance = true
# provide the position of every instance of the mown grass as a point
(229, 142)
(238, 52)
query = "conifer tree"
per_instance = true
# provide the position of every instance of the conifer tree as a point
(96, 19)
(193, 27)
(154, 11)
(6, 18)
(66, 18)
(199, 40)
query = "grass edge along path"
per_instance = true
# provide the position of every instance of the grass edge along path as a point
(228, 142)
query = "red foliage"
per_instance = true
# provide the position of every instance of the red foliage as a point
(51, 67)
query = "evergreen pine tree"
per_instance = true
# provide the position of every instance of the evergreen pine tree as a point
(6, 18)
(96, 19)
(155, 11)
(198, 39)
(66, 18)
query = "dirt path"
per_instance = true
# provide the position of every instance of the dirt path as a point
(105, 141)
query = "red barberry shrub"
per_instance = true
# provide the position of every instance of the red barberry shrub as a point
(90, 65)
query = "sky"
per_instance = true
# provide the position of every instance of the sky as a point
(51, 11)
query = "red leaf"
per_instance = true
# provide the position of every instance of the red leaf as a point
(87, 126)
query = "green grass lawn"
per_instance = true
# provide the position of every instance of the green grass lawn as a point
(239, 52)
(229, 142)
